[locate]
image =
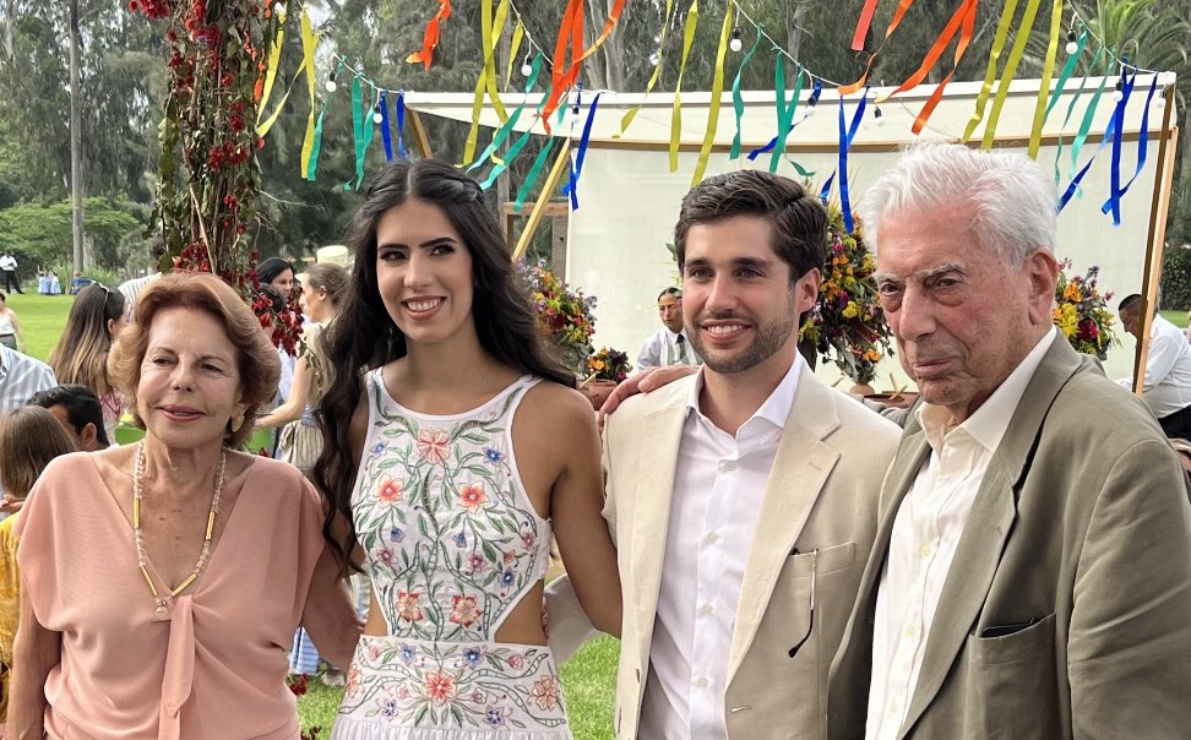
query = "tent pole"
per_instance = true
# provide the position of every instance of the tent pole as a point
(420, 138)
(1152, 271)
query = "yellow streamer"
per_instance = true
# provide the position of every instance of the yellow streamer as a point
(263, 128)
(518, 34)
(309, 44)
(271, 71)
(653, 79)
(688, 39)
(990, 74)
(486, 83)
(1019, 48)
(1048, 72)
(717, 90)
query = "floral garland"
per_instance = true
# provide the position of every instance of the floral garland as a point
(847, 325)
(564, 315)
(1082, 314)
(209, 176)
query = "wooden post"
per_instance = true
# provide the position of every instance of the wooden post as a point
(539, 208)
(1152, 274)
(421, 140)
(558, 244)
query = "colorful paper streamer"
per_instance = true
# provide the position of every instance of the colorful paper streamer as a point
(717, 92)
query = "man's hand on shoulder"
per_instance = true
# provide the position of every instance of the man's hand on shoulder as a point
(647, 380)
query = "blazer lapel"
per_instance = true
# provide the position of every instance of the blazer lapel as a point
(800, 469)
(654, 472)
(987, 529)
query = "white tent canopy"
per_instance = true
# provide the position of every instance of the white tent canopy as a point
(629, 199)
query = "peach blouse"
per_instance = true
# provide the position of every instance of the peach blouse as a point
(214, 665)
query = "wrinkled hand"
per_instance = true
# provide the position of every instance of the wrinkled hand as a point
(645, 381)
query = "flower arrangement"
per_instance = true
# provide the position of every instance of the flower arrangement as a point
(609, 364)
(209, 176)
(847, 325)
(564, 315)
(1082, 314)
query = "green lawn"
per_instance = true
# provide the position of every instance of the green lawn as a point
(42, 319)
(589, 683)
(1178, 318)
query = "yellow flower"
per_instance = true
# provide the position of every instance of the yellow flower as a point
(1066, 319)
(1071, 293)
(852, 310)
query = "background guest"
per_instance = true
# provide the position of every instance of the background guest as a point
(81, 355)
(79, 412)
(10, 327)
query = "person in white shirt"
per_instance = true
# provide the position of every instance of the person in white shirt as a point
(1167, 384)
(669, 345)
(1031, 575)
(8, 264)
(743, 499)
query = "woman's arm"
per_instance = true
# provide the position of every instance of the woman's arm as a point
(293, 407)
(330, 616)
(575, 506)
(35, 653)
(16, 329)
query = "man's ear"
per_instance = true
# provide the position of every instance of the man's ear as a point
(89, 436)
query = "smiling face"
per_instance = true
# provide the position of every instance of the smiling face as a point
(424, 273)
(963, 317)
(740, 306)
(190, 380)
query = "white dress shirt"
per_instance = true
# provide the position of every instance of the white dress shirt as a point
(719, 484)
(1168, 370)
(926, 534)
(22, 376)
(665, 347)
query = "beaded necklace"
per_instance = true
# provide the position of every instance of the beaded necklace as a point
(142, 558)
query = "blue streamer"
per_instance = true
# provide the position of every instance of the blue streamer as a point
(1073, 187)
(570, 187)
(1142, 144)
(384, 126)
(844, 196)
(1114, 198)
(846, 134)
(573, 177)
(816, 91)
(401, 126)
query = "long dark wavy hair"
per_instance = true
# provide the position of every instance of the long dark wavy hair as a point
(364, 337)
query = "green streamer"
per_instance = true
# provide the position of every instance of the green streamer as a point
(738, 99)
(787, 122)
(1085, 127)
(369, 131)
(357, 130)
(1068, 68)
(1070, 110)
(318, 131)
(533, 174)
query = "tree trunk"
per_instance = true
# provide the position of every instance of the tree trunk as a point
(10, 21)
(795, 14)
(613, 57)
(76, 140)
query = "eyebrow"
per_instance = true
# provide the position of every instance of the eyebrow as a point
(756, 262)
(424, 245)
(921, 275)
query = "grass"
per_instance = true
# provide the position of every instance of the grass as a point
(1178, 318)
(42, 318)
(589, 678)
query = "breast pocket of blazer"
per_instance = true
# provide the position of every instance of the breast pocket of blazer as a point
(1010, 684)
(824, 577)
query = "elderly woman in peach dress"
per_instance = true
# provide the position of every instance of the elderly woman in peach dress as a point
(162, 582)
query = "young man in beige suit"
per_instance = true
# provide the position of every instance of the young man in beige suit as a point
(1031, 578)
(743, 499)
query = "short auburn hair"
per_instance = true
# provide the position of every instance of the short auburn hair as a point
(257, 360)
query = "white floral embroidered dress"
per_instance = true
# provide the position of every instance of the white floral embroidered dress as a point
(453, 544)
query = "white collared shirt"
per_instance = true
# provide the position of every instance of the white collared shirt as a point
(665, 347)
(926, 534)
(719, 484)
(1168, 370)
(21, 376)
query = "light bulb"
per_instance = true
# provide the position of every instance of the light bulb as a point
(1072, 48)
(735, 44)
(330, 86)
(377, 118)
(878, 117)
(1160, 103)
(526, 70)
(1117, 96)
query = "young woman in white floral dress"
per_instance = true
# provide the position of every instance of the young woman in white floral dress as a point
(455, 447)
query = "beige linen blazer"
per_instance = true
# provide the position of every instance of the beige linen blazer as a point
(822, 493)
(1067, 609)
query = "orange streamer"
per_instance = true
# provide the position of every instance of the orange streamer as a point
(965, 17)
(862, 25)
(431, 38)
(570, 34)
(902, 8)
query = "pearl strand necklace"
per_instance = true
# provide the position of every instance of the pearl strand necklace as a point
(142, 558)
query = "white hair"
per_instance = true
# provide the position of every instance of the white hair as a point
(1013, 198)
